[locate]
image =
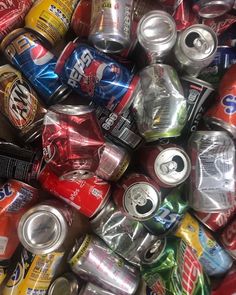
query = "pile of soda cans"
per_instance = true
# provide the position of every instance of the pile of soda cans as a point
(124, 112)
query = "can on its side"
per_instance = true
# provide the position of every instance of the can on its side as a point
(81, 18)
(66, 284)
(228, 238)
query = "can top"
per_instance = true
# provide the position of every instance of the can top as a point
(172, 166)
(198, 42)
(64, 285)
(42, 229)
(214, 8)
(71, 109)
(156, 28)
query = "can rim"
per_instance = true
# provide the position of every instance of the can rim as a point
(226, 128)
(105, 38)
(11, 36)
(71, 109)
(211, 4)
(68, 278)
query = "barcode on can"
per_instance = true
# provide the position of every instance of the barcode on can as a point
(3, 244)
(129, 137)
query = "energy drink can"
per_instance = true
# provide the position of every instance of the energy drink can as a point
(212, 256)
(94, 261)
(50, 19)
(110, 25)
(195, 48)
(66, 284)
(25, 51)
(212, 8)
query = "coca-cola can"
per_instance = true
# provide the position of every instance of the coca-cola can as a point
(71, 141)
(168, 165)
(81, 18)
(138, 196)
(228, 238)
(86, 195)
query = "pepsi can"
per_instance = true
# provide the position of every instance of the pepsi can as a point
(97, 76)
(25, 51)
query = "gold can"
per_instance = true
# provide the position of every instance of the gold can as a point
(50, 19)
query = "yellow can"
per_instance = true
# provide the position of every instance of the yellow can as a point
(50, 18)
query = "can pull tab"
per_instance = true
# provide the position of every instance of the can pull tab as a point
(198, 42)
(138, 197)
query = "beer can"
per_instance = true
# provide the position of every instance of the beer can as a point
(32, 273)
(92, 289)
(50, 19)
(20, 104)
(81, 18)
(97, 76)
(86, 195)
(228, 238)
(212, 186)
(221, 115)
(159, 103)
(195, 48)
(214, 259)
(26, 52)
(137, 196)
(157, 34)
(43, 228)
(113, 162)
(212, 8)
(66, 284)
(93, 261)
(168, 165)
(126, 237)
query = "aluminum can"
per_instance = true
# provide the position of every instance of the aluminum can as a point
(91, 289)
(168, 165)
(72, 141)
(222, 114)
(141, 7)
(137, 196)
(212, 8)
(18, 163)
(81, 18)
(120, 129)
(20, 104)
(222, 26)
(113, 162)
(169, 214)
(212, 187)
(95, 75)
(43, 228)
(86, 195)
(159, 104)
(32, 273)
(214, 259)
(157, 34)
(125, 236)
(16, 198)
(25, 51)
(4, 264)
(66, 284)
(111, 24)
(199, 95)
(50, 19)
(228, 238)
(92, 260)
(195, 49)
(228, 284)
(170, 266)
(12, 15)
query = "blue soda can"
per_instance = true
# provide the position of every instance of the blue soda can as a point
(25, 51)
(93, 74)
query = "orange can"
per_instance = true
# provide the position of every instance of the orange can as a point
(16, 198)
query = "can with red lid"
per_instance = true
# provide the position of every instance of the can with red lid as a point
(228, 238)
(88, 196)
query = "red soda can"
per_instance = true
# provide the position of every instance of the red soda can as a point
(228, 238)
(71, 140)
(228, 284)
(167, 165)
(12, 14)
(86, 195)
(80, 22)
(222, 114)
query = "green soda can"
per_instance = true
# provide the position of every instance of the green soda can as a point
(168, 215)
(170, 267)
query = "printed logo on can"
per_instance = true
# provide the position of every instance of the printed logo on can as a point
(158, 287)
(229, 235)
(17, 276)
(40, 56)
(5, 191)
(49, 152)
(229, 103)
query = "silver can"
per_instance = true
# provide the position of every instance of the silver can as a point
(111, 25)
(91, 289)
(212, 186)
(195, 48)
(94, 261)
(212, 8)
(126, 237)
(67, 284)
(159, 104)
(157, 34)
(43, 228)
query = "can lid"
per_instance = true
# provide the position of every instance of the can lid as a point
(108, 43)
(64, 56)
(215, 8)
(61, 93)
(64, 285)
(42, 229)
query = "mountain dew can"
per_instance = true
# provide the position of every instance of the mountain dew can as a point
(170, 267)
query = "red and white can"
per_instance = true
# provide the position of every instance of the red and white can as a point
(86, 195)
(138, 197)
(168, 165)
(228, 238)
